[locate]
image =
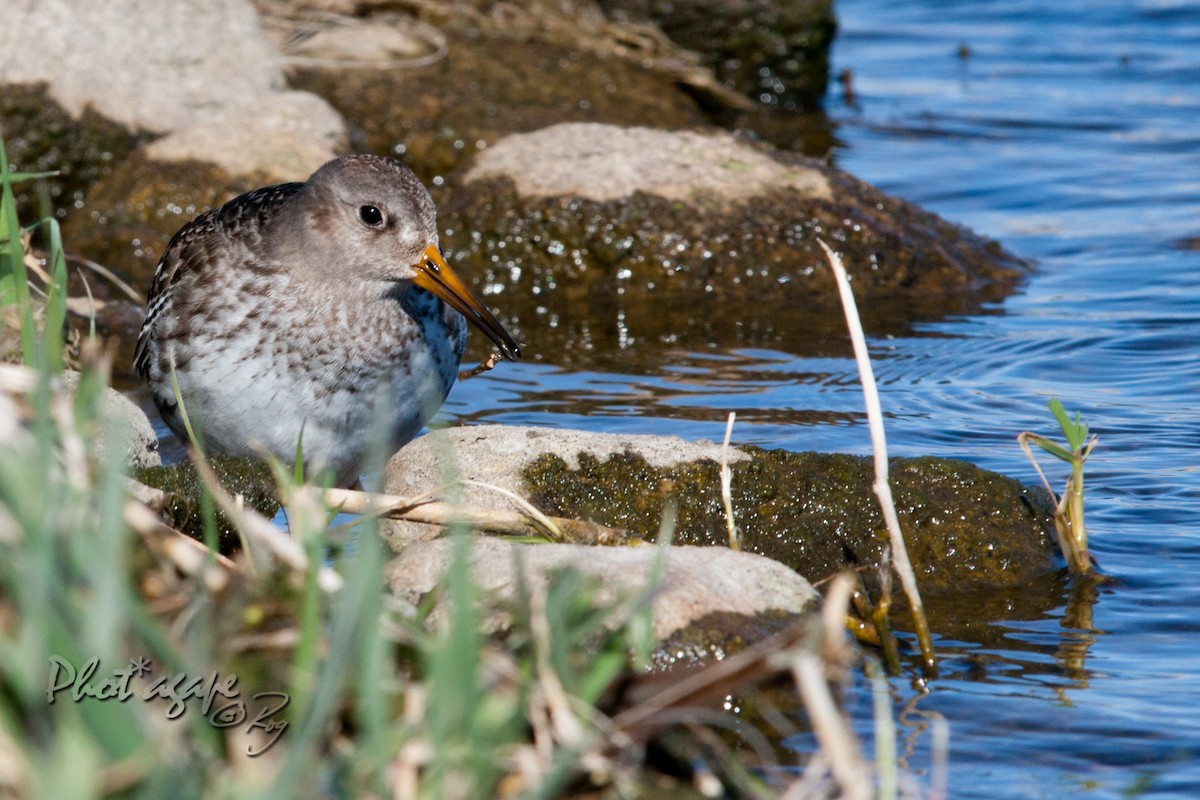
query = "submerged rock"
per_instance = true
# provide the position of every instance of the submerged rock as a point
(967, 529)
(590, 232)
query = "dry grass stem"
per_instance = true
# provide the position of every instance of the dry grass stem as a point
(521, 503)
(153, 499)
(838, 743)
(415, 752)
(434, 512)
(264, 541)
(565, 726)
(727, 486)
(188, 555)
(708, 684)
(115, 280)
(883, 490)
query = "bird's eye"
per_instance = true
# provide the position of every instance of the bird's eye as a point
(371, 216)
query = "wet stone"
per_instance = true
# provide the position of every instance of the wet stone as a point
(580, 236)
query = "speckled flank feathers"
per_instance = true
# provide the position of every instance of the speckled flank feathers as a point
(323, 306)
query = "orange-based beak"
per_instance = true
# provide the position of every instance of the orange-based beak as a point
(435, 275)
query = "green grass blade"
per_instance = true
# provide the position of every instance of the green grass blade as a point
(13, 280)
(51, 350)
(1054, 449)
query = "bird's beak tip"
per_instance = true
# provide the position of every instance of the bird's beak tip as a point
(436, 276)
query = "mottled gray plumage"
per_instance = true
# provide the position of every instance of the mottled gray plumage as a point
(323, 306)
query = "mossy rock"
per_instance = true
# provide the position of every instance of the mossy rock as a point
(245, 477)
(967, 529)
(580, 275)
(716, 636)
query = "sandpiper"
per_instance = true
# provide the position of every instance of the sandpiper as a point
(322, 307)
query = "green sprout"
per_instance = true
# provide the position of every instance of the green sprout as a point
(1068, 511)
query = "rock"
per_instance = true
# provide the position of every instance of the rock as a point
(141, 443)
(482, 86)
(706, 170)
(594, 236)
(285, 136)
(137, 441)
(133, 212)
(204, 75)
(42, 136)
(776, 53)
(967, 529)
(696, 582)
(249, 479)
(152, 112)
(499, 454)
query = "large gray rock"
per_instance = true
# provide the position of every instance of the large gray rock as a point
(696, 582)
(204, 75)
(134, 431)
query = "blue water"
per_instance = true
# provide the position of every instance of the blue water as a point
(1071, 133)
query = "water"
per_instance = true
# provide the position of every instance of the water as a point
(1071, 133)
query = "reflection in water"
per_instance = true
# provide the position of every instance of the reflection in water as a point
(1080, 633)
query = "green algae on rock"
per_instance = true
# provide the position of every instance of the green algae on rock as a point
(247, 478)
(715, 636)
(967, 529)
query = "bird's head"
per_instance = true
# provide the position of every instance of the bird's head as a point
(371, 218)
